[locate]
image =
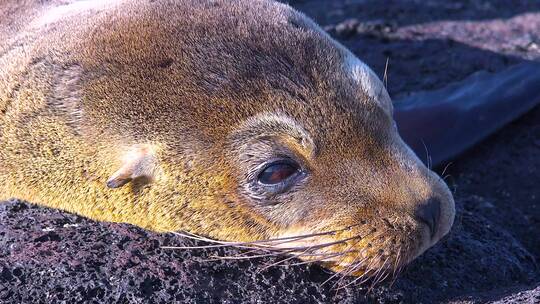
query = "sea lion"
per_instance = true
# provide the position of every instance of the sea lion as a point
(236, 120)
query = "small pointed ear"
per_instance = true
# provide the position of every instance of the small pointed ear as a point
(139, 162)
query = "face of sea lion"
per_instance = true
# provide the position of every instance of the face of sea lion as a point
(244, 120)
(324, 160)
(347, 192)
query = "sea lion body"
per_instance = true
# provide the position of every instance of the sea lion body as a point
(163, 114)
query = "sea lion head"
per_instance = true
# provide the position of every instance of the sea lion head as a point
(337, 182)
(261, 127)
(324, 164)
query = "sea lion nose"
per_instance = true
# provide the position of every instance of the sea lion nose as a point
(429, 213)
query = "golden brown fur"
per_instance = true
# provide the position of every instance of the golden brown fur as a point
(206, 90)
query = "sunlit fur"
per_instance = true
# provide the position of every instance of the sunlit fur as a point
(209, 90)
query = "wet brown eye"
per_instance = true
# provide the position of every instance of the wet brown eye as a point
(277, 173)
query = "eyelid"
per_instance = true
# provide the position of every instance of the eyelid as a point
(276, 161)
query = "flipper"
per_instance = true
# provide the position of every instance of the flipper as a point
(448, 121)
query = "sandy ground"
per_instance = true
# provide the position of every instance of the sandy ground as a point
(50, 256)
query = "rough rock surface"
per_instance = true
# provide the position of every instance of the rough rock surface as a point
(49, 256)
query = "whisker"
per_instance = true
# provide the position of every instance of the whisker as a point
(324, 255)
(381, 272)
(364, 277)
(336, 274)
(366, 274)
(340, 261)
(221, 244)
(267, 248)
(445, 168)
(428, 157)
(396, 267)
(319, 246)
(383, 278)
(378, 279)
(217, 258)
(282, 261)
(353, 269)
(357, 265)
(367, 278)
(228, 243)
(254, 251)
(385, 76)
(322, 258)
(244, 244)
(406, 258)
(342, 274)
(395, 275)
(345, 271)
(360, 280)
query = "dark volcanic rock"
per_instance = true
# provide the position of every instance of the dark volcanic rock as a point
(48, 256)
(525, 297)
(431, 43)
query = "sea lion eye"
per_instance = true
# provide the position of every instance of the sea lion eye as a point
(278, 172)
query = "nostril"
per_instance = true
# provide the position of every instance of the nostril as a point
(429, 213)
